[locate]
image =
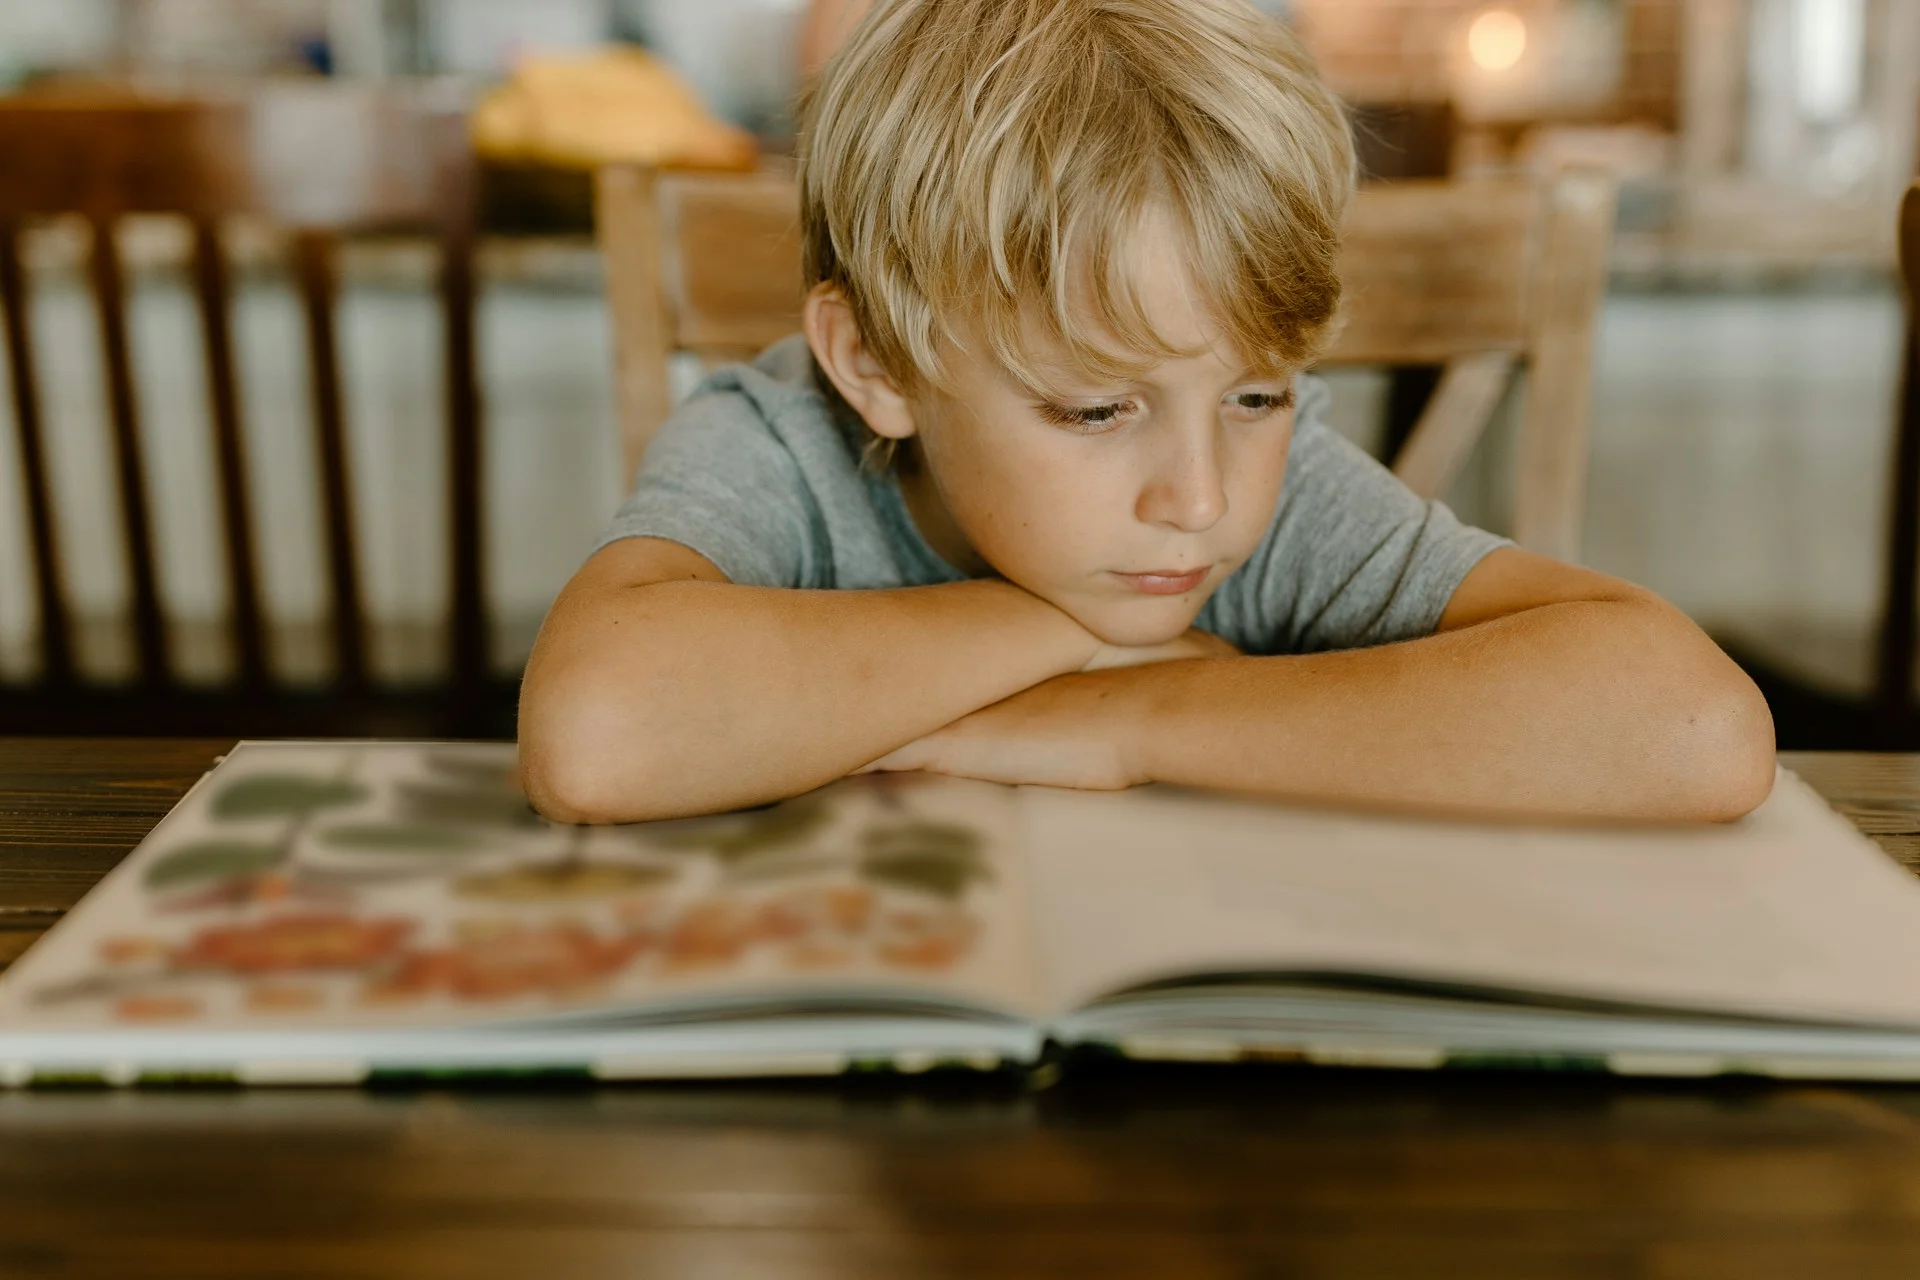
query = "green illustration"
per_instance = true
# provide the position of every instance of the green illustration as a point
(753, 833)
(938, 858)
(468, 792)
(490, 773)
(563, 881)
(401, 838)
(211, 860)
(296, 798)
(283, 795)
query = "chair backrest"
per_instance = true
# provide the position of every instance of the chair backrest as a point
(1481, 278)
(1486, 279)
(320, 161)
(707, 264)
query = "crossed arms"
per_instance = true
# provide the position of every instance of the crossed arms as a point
(659, 689)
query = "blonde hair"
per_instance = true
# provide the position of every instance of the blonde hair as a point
(977, 167)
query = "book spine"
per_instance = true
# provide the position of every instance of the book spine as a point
(344, 1072)
(1436, 1058)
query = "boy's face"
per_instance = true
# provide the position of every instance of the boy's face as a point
(1126, 506)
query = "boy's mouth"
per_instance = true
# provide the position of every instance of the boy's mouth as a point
(1165, 582)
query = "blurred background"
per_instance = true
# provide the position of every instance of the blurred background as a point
(1747, 369)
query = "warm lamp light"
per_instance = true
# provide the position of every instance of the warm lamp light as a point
(1497, 40)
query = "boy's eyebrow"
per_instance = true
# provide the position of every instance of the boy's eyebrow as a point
(1065, 374)
(1057, 378)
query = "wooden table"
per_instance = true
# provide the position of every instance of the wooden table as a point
(1205, 1172)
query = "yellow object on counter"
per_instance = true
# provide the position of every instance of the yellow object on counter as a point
(616, 105)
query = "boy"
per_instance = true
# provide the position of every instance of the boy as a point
(1041, 497)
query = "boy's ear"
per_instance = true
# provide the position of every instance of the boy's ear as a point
(843, 356)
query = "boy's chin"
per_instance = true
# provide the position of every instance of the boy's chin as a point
(1136, 624)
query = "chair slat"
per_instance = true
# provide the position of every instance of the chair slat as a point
(314, 271)
(56, 632)
(136, 511)
(468, 646)
(627, 220)
(214, 297)
(1470, 389)
(1551, 456)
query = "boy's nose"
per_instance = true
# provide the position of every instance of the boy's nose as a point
(1187, 492)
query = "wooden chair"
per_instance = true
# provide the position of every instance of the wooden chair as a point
(1483, 279)
(1486, 280)
(322, 162)
(1401, 142)
(707, 264)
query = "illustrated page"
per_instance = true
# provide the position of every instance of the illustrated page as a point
(1789, 912)
(381, 884)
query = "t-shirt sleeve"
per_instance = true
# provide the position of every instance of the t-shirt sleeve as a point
(718, 479)
(1353, 557)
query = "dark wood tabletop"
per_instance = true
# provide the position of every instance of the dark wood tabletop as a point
(1117, 1171)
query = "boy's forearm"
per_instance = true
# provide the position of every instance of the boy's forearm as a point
(688, 697)
(1617, 708)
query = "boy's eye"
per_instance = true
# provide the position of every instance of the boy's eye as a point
(1262, 403)
(1091, 418)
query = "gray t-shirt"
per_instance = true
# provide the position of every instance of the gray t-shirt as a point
(758, 473)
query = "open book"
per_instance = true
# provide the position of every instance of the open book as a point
(331, 912)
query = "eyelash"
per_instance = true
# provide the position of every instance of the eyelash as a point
(1099, 418)
(1092, 420)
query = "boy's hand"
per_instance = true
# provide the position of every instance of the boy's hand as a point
(1071, 731)
(1055, 734)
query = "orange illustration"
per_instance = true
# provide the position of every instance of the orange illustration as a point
(513, 961)
(820, 955)
(916, 939)
(818, 909)
(157, 1008)
(280, 997)
(708, 934)
(126, 950)
(291, 943)
(265, 888)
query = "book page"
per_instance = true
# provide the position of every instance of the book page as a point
(1789, 912)
(393, 884)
